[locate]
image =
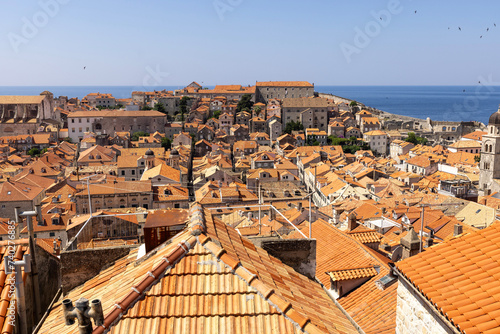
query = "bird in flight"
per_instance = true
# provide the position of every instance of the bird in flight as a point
(487, 29)
(415, 12)
(495, 24)
(479, 81)
(481, 36)
(459, 28)
(84, 67)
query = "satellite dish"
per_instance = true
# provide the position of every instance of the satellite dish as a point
(397, 254)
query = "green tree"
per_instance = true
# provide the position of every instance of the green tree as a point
(216, 114)
(166, 143)
(136, 135)
(477, 158)
(353, 104)
(293, 126)
(414, 139)
(422, 140)
(68, 139)
(245, 102)
(146, 107)
(183, 106)
(34, 152)
(160, 107)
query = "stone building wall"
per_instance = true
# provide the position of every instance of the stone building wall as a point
(78, 266)
(13, 129)
(7, 207)
(111, 125)
(110, 201)
(413, 316)
(266, 93)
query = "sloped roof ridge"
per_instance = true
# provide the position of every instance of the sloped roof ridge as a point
(196, 234)
(268, 293)
(360, 244)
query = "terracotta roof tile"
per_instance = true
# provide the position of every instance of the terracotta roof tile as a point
(348, 274)
(465, 290)
(221, 283)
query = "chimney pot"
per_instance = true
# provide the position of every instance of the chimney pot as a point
(457, 230)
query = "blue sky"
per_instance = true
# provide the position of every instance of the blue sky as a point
(168, 43)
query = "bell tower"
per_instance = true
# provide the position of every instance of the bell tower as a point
(489, 165)
(150, 159)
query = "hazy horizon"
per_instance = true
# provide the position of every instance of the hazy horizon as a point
(362, 43)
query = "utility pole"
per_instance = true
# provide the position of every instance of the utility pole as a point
(260, 204)
(310, 217)
(88, 191)
(422, 229)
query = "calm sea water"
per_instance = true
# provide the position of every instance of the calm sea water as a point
(440, 103)
(453, 103)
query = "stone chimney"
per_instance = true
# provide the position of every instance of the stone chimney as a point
(457, 229)
(429, 242)
(352, 223)
(410, 243)
(300, 254)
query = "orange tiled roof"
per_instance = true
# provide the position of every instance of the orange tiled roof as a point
(284, 84)
(460, 278)
(348, 274)
(366, 237)
(476, 135)
(208, 279)
(370, 120)
(12, 99)
(374, 310)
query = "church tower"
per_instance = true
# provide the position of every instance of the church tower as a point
(489, 165)
(150, 159)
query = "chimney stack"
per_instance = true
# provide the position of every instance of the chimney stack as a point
(351, 223)
(429, 242)
(457, 230)
(300, 254)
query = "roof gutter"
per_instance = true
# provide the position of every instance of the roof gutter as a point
(426, 301)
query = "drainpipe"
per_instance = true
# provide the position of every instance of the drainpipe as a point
(17, 211)
(34, 271)
(82, 312)
(20, 295)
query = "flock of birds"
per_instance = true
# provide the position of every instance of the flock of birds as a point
(460, 29)
(487, 29)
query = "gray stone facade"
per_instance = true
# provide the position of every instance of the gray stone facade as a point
(413, 316)
(111, 121)
(489, 165)
(280, 90)
(26, 114)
